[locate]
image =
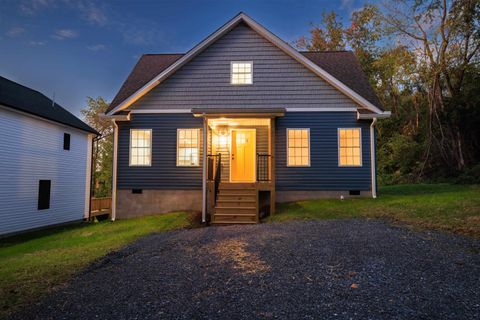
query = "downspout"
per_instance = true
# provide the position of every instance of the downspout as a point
(373, 159)
(204, 178)
(114, 170)
(92, 180)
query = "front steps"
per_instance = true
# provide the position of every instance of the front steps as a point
(236, 203)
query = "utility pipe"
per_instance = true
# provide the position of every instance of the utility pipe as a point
(372, 158)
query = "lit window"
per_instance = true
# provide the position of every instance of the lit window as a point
(141, 147)
(349, 145)
(298, 147)
(242, 73)
(187, 147)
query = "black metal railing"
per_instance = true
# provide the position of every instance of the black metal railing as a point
(263, 167)
(214, 171)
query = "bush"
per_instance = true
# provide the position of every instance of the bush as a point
(469, 176)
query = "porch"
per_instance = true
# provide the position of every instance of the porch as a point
(239, 166)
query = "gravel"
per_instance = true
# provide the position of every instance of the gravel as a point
(341, 269)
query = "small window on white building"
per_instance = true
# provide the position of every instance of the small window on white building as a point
(188, 141)
(242, 72)
(298, 147)
(140, 147)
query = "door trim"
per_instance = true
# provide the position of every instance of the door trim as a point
(254, 154)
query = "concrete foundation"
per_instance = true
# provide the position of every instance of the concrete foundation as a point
(289, 196)
(151, 202)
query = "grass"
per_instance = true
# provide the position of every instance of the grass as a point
(446, 207)
(35, 263)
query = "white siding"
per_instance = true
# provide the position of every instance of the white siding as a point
(31, 149)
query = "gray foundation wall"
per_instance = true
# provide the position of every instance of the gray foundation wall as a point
(151, 202)
(289, 196)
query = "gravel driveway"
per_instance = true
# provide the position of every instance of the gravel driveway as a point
(343, 269)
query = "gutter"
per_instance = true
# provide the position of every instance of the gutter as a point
(367, 116)
(373, 159)
(114, 171)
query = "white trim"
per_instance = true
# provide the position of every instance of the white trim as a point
(198, 148)
(309, 150)
(373, 167)
(326, 109)
(130, 149)
(161, 111)
(114, 170)
(254, 153)
(231, 73)
(383, 115)
(88, 176)
(267, 35)
(361, 148)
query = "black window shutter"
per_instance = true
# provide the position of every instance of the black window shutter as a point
(66, 141)
(44, 194)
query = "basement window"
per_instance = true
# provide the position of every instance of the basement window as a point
(241, 72)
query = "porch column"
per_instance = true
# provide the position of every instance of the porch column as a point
(204, 176)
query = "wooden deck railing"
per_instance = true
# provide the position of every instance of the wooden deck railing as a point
(100, 206)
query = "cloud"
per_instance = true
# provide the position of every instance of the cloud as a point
(31, 7)
(15, 32)
(140, 33)
(87, 10)
(62, 34)
(97, 47)
(37, 43)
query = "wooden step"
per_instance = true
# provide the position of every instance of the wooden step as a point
(232, 185)
(237, 191)
(236, 197)
(234, 218)
(236, 210)
(235, 203)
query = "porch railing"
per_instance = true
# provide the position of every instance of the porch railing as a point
(214, 172)
(263, 167)
(99, 206)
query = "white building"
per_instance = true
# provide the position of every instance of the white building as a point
(45, 161)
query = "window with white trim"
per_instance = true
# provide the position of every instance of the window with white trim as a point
(349, 147)
(140, 147)
(188, 141)
(298, 147)
(242, 72)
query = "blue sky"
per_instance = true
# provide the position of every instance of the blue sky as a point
(80, 48)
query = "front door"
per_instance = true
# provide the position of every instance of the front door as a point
(242, 165)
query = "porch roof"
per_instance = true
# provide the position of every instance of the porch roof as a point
(239, 112)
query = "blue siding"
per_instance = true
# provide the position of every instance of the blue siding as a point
(278, 79)
(164, 173)
(324, 172)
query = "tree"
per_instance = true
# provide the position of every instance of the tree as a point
(328, 36)
(103, 146)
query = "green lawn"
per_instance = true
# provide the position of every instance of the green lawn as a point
(37, 262)
(447, 207)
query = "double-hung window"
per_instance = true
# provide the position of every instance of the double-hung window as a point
(349, 147)
(241, 72)
(140, 147)
(298, 147)
(188, 141)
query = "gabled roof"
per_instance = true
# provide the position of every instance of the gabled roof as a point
(19, 97)
(362, 93)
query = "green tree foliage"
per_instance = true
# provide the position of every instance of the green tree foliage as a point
(423, 59)
(103, 146)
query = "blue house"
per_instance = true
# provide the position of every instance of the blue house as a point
(240, 122)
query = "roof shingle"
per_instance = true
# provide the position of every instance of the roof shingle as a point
(19, 97)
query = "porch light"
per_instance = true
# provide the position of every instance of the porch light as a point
(222, 130)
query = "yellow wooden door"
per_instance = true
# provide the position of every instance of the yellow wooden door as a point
(243, 155)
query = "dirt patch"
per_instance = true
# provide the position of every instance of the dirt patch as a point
(235, 252)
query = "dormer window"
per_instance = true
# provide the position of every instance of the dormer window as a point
(242, 72)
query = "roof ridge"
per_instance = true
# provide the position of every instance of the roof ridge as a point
(163, 54)
(324, 51)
